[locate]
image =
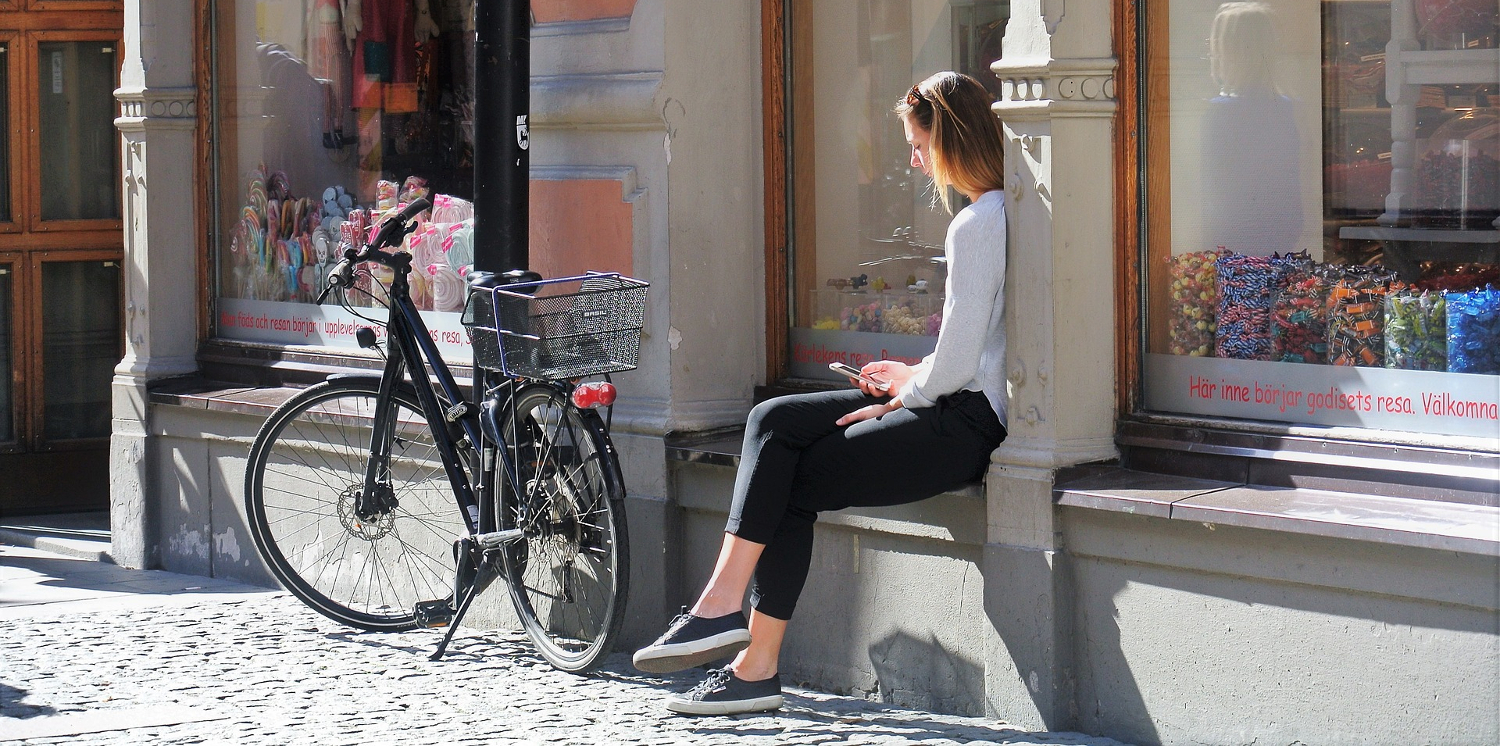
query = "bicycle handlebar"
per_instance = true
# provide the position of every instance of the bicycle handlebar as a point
(391, 231)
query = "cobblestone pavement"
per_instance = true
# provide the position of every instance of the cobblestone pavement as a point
(186, 660)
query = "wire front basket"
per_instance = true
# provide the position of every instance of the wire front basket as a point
(558, 329)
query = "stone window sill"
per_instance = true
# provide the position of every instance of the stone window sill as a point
(216, 396)
(1429, 524)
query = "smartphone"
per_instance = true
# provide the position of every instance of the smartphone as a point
(855, 374)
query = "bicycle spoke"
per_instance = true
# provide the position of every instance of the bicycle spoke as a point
(367, 572)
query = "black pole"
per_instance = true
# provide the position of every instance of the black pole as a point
(502, 155)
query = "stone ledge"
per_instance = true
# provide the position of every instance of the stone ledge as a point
(1425, 524)
(194, 393)
(722, 448)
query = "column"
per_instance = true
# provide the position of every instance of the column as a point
(157, 123)
(1057, 105)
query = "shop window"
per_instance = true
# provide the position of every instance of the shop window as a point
(1322, 206)
(326, 123)
(866, 268)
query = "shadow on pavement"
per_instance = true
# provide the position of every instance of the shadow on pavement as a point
(11, 705)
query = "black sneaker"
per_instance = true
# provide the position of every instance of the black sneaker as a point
(722, 693)
(693, 641)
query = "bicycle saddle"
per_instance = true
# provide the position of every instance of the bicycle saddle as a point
(481, 280)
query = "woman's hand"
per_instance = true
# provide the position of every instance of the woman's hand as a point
(865, 413)
(889, 371)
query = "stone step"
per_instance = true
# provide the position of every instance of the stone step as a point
(78, 535)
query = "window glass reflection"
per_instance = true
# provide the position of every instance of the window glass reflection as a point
(867, 265)
(80, 347)
(76, 114)
(7, 376)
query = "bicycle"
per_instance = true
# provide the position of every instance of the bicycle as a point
(387, 503)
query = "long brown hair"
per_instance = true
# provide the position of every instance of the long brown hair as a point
(967, 146)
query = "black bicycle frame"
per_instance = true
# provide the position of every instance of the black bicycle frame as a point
(410, 344)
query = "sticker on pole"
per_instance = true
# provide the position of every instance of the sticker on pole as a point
(523, 132)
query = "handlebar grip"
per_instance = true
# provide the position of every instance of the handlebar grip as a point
(413, 209)
(335, 279)
(395, 225)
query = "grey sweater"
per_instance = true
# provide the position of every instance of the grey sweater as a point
(970, 352)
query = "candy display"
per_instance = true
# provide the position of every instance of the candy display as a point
(284, 246)
(274, 255)
(1299, 319)
(1356, 317)
(1246, 286)
(1474, 331)
(1194, 303)
(1416, 323)
(913, 314)
(874, 303)
(865, 317)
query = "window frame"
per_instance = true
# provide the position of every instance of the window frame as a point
(20, 342)
(16, 153)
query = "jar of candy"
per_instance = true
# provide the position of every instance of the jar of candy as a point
(1458, 173)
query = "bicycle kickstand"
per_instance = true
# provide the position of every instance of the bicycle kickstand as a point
(474, 573)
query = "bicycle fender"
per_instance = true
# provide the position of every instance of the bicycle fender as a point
(404, 387)
(372, 377)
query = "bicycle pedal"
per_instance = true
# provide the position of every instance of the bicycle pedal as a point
(433, 614)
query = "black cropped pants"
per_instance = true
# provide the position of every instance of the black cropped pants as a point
(797, 463)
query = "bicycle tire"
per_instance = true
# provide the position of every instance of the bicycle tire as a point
(307, 462)
(568, 473)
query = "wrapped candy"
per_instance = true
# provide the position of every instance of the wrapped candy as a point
(414, 188)
(1474, 331)
(458, 245)
(352, 234)
(1416, 324)
(1194, 303)
(1299, 319)
(1246, 286)
(449, 209)
(1356, 317)
(386, 195)
(448, 289)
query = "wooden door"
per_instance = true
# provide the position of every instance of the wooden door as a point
(60, 251)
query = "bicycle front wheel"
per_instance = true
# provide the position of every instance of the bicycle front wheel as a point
(569, 576)
(305, 471)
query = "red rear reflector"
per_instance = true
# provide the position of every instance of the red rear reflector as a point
(594, 394)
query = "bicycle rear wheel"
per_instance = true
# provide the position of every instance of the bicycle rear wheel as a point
(569, 577)
(305, 470)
